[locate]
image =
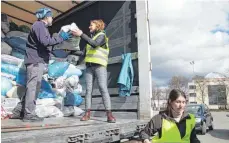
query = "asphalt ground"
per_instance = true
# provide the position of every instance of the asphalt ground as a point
(220, 134)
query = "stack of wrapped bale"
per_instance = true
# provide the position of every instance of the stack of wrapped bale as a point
(51, 100)
(65, 80)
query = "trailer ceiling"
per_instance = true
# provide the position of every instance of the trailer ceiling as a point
(22, 12)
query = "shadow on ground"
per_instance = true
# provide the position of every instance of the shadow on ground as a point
(220, 133)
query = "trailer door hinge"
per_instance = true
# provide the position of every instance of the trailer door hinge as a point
(150, 66)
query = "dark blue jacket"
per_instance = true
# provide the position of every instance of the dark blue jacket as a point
(39, 40)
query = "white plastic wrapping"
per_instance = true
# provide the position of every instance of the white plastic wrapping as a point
(9, 104)
(48, 111)
(68, 28)
(60, 82)
(73, 42)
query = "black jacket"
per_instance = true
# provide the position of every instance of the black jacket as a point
(99, 41)
(155, 125)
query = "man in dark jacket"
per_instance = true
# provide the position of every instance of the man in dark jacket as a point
(37, 55)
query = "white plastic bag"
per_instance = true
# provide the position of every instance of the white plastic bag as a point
(59, 82)
(71, 27)
(16, 92)
(78, 89)
(73, 80)
(5, 48)
(71, 83)
(72, 111)
(48, 111)
(5, 27)
(46, 102)
(71, 43)
(60, 92)
(78, 111)
(51, 61)
(73, 59)
(65, 28)
(81, 66)
(68, 111)
(22, 65)
(9, 104)
(2, 99)
(12, 60)
(45, 77)
(2, 35)
(9, 76)
(72, 70)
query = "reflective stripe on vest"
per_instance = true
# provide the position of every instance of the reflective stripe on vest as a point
(98, 55)
(171, 134)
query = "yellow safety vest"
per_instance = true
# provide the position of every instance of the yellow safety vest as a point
(171, 134)
(98, 55)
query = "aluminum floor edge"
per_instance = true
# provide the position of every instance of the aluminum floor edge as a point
(72, 131)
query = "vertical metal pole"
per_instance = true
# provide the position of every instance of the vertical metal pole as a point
(193, 69)
(193, 63)
(144, 62)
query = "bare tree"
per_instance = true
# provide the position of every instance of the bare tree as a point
(167, 91)
(201, 84)
(156, 95)
(179, 82)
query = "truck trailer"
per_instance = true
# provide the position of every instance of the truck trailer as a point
(127, 27)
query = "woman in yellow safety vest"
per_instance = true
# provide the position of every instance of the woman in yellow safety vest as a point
(173, 125)
(96, 59)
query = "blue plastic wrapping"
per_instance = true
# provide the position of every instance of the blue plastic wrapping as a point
(12, 69)
(19, 73)
(72, 70)
(46, 86)
(57, 69)
(21, 79)
(72, 99)
(46, 90)
(46, 94)
(17, 43)
(18, 54)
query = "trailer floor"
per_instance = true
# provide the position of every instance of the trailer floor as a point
(68, 129)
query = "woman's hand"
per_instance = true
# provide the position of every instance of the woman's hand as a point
(77, 32)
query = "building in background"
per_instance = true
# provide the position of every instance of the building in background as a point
(213, 90)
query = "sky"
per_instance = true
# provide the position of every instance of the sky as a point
(184, 31)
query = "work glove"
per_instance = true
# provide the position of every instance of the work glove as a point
(65, 35)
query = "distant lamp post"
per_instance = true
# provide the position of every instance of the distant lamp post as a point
(192, 63)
